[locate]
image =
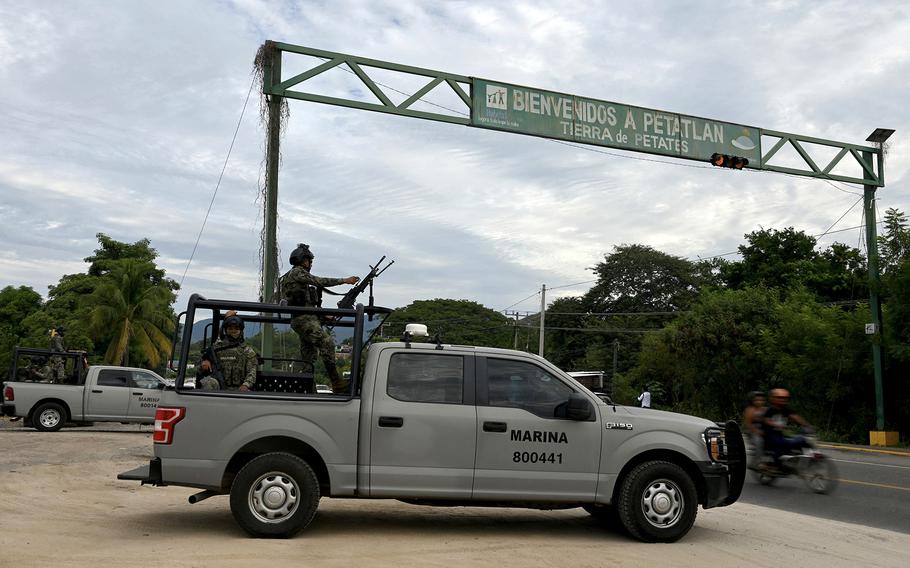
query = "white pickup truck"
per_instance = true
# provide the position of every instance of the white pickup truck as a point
(92, 394)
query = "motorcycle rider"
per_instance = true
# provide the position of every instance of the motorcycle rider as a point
(775, 420)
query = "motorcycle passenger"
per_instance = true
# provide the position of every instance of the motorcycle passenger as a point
(753, 418)
(775, 420)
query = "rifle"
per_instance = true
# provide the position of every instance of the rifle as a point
(217, 373)
(347, 302)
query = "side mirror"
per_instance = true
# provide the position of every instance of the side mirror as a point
(579, 407)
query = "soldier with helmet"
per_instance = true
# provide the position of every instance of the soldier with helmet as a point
(300, 288)
(57, 346)
(230, 359)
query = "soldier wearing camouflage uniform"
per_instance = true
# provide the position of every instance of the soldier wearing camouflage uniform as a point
(236, 360)
(57, 345)
(300, 288)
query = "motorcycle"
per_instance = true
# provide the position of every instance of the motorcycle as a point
(809, 464)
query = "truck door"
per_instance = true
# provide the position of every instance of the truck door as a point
(108, 397)
(522, 448)
(422, 434)
(145, 391)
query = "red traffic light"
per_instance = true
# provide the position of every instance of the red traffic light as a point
(725, 161)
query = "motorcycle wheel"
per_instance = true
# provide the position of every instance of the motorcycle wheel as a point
(820, 475)
(766, 479)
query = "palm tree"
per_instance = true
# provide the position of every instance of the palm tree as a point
(136, 312)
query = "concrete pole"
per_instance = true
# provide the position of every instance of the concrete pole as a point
(271, 76)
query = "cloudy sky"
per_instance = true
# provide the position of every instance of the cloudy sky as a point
(117, 117)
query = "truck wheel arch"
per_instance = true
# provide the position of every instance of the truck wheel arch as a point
(277, 444)
(663, 455)
(66, 409)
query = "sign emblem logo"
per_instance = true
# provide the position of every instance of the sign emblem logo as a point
(497, 97)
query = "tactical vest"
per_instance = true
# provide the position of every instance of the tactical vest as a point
(297, 294)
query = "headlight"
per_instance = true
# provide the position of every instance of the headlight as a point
(716, 444)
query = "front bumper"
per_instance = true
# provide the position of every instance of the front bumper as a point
(724, 481)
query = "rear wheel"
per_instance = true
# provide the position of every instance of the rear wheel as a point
(657, 502)
(820, 475)
(275, 495)
(49, 417)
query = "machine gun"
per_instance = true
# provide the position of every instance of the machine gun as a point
(347, 302)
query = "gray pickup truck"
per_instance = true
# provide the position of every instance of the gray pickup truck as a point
(434, 424)
(86, 394)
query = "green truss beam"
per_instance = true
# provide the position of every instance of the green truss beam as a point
(867, 160)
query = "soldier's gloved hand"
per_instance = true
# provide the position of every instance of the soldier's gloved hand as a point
(244, 388)
(352, 280)
(206, 367)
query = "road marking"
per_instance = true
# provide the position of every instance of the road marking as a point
(872, 463)
(852, 449)
(883, 485)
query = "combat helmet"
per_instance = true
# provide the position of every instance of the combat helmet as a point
(232, 319)
(301, 252)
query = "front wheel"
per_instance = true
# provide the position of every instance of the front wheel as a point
(275, 495)
(820, 475)
(657, 502)
(49, 417)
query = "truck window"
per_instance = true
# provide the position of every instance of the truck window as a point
(112, 378)
(519, 384)
(145, 380)
(418, 377)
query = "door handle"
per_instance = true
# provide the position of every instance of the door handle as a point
(137, 394)
(391, 421)
(97, 391)
(494, 426)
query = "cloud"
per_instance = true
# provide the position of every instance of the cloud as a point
(117, 118)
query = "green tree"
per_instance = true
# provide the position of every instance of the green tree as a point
(637, 278)
(894, 244)
(16, 304)
(456, 321)
(773, 259)
(136, 311)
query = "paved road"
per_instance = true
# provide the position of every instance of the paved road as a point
(874, 490)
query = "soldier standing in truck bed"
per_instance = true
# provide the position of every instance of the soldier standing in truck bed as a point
(57, 346)
(300, 288)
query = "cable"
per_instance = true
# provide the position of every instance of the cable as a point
(841, 217)
(570, 285)
(520, 301)
(218, 184)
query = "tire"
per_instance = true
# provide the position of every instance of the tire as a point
(657, 502)
(275, 495)
(605, 515)
(48, 417)
(820, 475)
(766, 479)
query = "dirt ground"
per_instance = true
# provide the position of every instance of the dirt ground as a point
(63, 506)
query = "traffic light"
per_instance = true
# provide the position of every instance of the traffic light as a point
(725, 161)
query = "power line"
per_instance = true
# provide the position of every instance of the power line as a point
(218, 184)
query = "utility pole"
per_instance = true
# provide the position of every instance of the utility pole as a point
(271, 76)
(514, 331)
(877, 137)
(543, 313)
